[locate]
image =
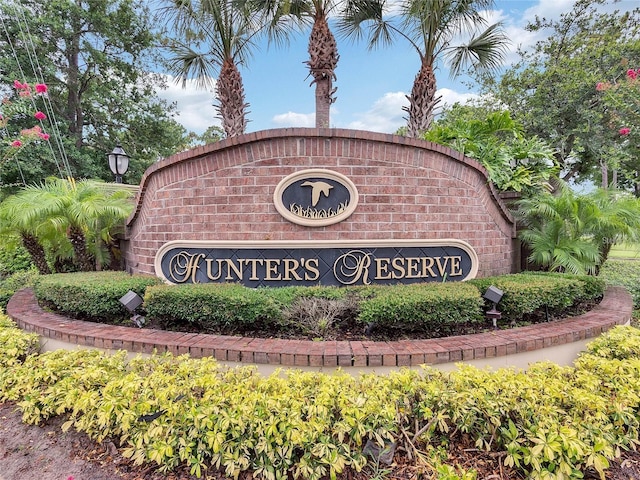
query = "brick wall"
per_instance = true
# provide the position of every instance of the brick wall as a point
(408, 189)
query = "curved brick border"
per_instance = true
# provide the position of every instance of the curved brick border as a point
(615, 309)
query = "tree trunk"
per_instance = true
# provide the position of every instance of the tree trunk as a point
(422, 101)
(36, 251)
(231, 106)
(605, 174)
(78, 242)
(322, 63)
(75, 115)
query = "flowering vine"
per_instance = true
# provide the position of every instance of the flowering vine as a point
(21, 108)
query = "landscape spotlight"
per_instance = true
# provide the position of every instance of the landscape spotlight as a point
(118, 162)
(131, 300)
(494, 295)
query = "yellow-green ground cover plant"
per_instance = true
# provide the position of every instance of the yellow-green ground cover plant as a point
(548, 422)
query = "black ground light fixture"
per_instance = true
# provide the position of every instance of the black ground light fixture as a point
(494, 295)
(131, 300)
(118, 162)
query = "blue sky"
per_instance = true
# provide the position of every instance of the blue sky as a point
(371, 84)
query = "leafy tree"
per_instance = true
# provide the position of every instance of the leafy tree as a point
(212, 134)
(552, 89)
(621, 98)
(95, 56)
(323, 56)
(430, 27)
(514, 162)
(615, 219)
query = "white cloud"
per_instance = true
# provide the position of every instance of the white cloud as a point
(293, 119)
(549, 9)
(449, 97)
(194, 105)
(386, 114)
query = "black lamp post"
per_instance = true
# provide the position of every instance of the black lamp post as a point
(118, 162)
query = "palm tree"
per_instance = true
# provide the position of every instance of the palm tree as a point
(323, 59)
(556, 232)
(17, 219)
(567, 231)
(323, 48)
(615, 218)
(214, 35)
(77, 210)
(430, 27)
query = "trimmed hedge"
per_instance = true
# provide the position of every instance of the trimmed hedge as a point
(430, 309)
(91, 295)
(423, 307)
(526, 293)
(213, 306)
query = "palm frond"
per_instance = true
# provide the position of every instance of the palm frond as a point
(485, 51)
(186, 63)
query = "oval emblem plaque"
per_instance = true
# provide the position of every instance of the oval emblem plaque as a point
(315, 197)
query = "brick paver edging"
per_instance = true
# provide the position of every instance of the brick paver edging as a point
(615, 309)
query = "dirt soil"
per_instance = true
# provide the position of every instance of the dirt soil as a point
(46, 453)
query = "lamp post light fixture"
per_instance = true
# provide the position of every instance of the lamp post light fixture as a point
(118, 162)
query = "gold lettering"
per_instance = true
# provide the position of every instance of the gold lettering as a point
(398, 265)
(272, 268)
(455, 270)
(352, 267)
(237, 269)
(184, 266)
(427, 266)
(442, 268)
(254, 262)
(382, 269)
(413, 267)
(290, 266)
(209, 274)
(311, 267)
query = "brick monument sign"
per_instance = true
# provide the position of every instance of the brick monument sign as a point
(318, 206)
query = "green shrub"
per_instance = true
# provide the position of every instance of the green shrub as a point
(430, 309)
(433, 307)
(592, 287)
(549, 421)
(15, 345)
(91, 295)
(625, 273)
(214, 307)
(15, 282)
(526, 293)
(13, 258)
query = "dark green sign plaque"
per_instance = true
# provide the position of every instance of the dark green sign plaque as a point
(278, 264)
